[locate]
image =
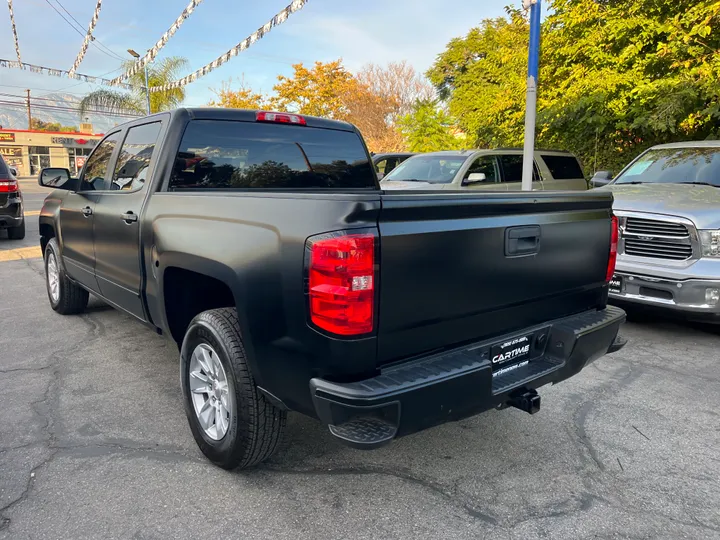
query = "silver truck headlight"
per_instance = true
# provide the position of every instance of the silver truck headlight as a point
(710, 241)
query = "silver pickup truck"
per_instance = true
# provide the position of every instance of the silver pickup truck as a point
(668, 204)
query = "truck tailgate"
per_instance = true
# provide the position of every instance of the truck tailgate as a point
(458, 267)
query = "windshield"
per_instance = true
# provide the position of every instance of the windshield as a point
(428, 168)
(675, 166)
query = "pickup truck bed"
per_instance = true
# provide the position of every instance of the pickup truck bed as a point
(261, 244)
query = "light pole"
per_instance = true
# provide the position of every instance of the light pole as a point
(531, 93)
(147, 86)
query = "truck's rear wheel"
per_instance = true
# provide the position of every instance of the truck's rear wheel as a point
(65, 297)
(233, 424)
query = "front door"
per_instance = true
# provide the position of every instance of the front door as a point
(77, 216)
(117, 220)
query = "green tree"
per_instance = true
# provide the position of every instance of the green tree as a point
(429, 129)
(615, 77)
(159, 73)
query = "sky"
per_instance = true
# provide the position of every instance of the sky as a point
(358, 31)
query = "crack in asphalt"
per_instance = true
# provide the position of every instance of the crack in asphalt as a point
(403, 474)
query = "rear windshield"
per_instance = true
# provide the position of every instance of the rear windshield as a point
(226, 155)
(563, 167)
(674, 166)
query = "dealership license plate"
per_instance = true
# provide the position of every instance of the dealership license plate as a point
(616, 284)
(511, 354)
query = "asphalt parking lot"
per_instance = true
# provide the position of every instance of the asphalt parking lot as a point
(94, 444)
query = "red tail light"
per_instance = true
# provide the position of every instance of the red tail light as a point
(280, 118)
(9, 186)
(612, 259)
(341, 284)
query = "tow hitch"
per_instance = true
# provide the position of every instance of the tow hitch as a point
(525, 400)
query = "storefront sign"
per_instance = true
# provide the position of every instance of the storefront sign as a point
(69, 141)
(80, 162)
(7, 137)
(10, 151)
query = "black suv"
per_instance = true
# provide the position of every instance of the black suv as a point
(11, 205)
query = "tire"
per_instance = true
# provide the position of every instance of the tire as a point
(70, 298)
(254, 426)
(17, 233)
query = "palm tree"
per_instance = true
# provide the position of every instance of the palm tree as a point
(158, 74)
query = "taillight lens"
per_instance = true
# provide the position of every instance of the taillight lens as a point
(341, 283)
(8, 186)
(612, 259)
(280, 118)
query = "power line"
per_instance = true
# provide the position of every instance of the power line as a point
(71, 109)
(95, 41)
(111, 53)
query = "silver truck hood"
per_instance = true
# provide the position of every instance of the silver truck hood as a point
(701, 204)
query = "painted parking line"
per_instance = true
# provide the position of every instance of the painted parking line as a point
(32, 212)
(20, 253)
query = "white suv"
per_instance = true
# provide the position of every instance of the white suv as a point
(492, 170)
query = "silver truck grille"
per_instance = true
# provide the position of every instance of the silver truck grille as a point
(657, 239)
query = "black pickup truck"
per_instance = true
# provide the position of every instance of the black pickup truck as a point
(263, 246)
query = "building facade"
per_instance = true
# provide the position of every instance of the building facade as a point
(29, 151)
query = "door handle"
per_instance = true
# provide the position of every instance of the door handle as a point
(129, 217)
(522, 240)
(87, 211)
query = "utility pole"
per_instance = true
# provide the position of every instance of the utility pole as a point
(28, 109)
(531, 93)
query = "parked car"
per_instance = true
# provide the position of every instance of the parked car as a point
(668, 204)
(12, 217)
(491, 170)
(384, 163)
(262, 245)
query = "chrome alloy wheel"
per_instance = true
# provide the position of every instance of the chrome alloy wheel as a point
(53, 277)
(209, 392)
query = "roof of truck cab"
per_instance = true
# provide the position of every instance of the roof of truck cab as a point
(238, 115)
(246, 115)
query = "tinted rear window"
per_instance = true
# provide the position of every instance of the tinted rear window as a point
(244, 155)
(563, 167)
(4, 173)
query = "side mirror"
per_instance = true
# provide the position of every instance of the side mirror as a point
(56, 178)
(474, 178)
(13, 171)
(600, 179)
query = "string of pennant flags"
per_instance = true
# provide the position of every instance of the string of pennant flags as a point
(14, 30)
(88, 37)
(11, 64)
(152, 53)
(278, 19)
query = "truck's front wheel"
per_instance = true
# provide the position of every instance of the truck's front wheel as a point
(233, 424)
(65, 297)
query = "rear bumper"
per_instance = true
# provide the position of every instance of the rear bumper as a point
(455, 384)
(11, 213)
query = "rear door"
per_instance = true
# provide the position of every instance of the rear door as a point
(565, 172)
(117, 219)
(77, 214)
(511, 173)
(451, 272)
